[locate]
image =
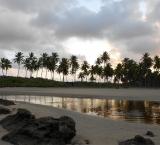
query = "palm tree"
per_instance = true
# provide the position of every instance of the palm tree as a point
(18, 59)
(81, 76)
(118, 72)
(74, 65)
(54, 59)
(26, 64)
(31, 56)
(156, 67)
(132, 71)
(84, 68)
(2, 60)
(7, 65)
(147, 63)
(156, 63)
(125, 64)
(64, 65)
(108, 71)
(32, 63)
(47, 64)
(32, 66)
(44, 62)
(98, 61)
(105, 58)
(59, 70)
(38, 65)
(99, 72)
(92, 71)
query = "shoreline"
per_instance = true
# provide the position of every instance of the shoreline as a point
(98, 130)
(99, 93)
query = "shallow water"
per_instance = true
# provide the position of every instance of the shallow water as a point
(125, 110)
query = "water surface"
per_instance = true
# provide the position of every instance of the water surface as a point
(125, 110)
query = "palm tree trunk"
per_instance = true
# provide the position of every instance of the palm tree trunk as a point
(46, 73)
(60, 77)
(2, 72)
(75, 77)
(41, 72)
(63, 77)
(26, 73)
(18, 70)
(53, 75)
(37, 74)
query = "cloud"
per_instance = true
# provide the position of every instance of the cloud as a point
(44, 26)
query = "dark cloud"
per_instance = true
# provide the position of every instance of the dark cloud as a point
(143, 44)
(42, 26)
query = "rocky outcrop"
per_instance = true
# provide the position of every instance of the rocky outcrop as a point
(6, 102)
(4, 110)
(137, 140)
(42, 131)
(18, 120)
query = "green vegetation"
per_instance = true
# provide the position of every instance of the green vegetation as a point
(127, 73)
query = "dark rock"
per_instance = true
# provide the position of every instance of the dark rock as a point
(6, 102)
(4, 110)
(87, 141)
(18, 120)
(149, 133)
(43, 131)
(137, 140)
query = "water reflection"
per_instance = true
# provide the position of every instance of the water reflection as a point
(133, 111)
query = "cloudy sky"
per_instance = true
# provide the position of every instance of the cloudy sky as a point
(86, 28)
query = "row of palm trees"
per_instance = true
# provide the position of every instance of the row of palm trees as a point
(145, 73)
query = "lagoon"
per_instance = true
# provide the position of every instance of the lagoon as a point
(147, 112)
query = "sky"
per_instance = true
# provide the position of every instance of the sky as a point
(86, 28)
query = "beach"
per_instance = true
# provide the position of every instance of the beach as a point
(98, 130)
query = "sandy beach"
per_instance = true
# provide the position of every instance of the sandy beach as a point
(99, 131)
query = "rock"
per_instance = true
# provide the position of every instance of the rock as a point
(43, 131)
(137, 140)
(6, 102)
(87, 141)
(26, 130)
(4, 110)
(149, 133)
(18, 120)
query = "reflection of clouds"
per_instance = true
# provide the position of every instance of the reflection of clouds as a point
(135, 111)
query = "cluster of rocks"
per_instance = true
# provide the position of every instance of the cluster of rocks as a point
(4, 110)
(6, 102)
(138, 140)
(26, 130)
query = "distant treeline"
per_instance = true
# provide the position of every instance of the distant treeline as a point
(127, 73)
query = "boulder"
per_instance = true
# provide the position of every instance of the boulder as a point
(4, 110)
(6, 102)
(26, 130)
(43, 131)
(18, 120)
(137, 140)
(149, 133)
